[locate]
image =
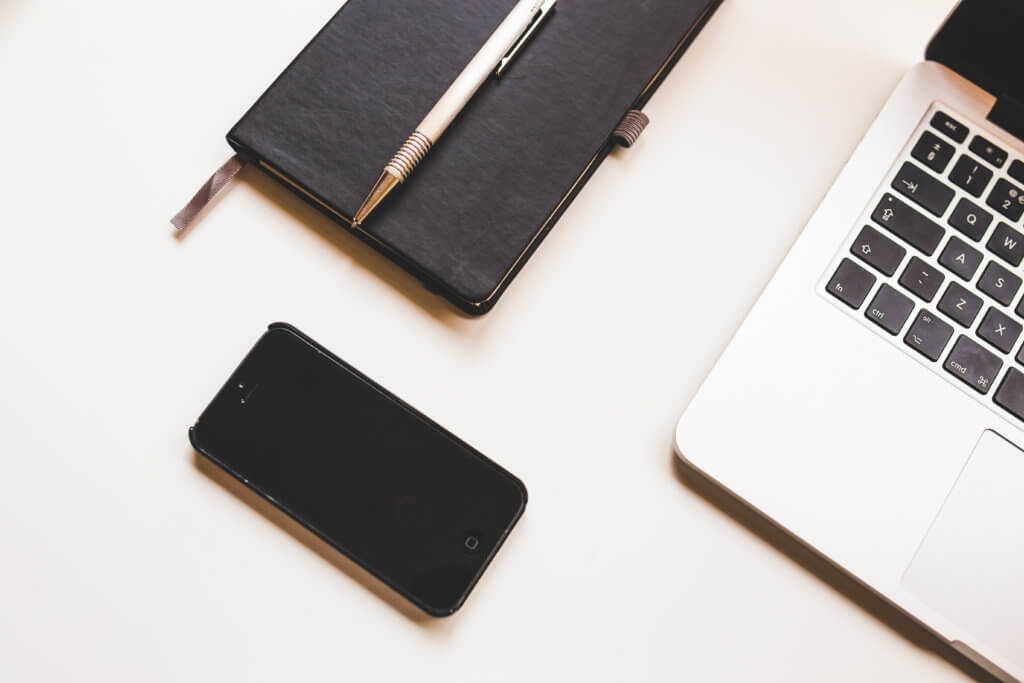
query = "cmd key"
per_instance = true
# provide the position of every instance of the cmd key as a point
(973, 364)
(908, 224)
(1011, 393)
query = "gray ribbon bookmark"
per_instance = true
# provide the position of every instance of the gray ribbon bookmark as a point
(221, 177)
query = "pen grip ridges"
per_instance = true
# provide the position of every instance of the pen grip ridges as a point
(409, 156)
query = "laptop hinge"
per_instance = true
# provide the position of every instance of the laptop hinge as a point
(1008, 114)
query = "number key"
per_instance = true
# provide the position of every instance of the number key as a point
(1007, 199)
(970, 175)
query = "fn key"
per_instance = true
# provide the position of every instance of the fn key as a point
(851, 284)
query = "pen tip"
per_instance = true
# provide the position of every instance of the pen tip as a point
(382, 189)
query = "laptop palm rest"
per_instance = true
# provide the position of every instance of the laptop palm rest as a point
(971, 564)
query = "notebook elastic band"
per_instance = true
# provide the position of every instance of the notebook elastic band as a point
(221, 177)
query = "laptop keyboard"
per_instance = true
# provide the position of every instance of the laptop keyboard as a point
(936, 262)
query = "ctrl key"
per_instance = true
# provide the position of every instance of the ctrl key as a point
(851, 284)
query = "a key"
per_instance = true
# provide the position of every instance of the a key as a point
(922, 279)
(973, 364)
(987, 151)
(970, 219)
(960, 305)
(960, 258)
(928, 335)
(999, 330)
(971, 175)
(1010, 394)
(876, 249)
(933, 152)
(1007, 199)
(1016, 170)
(908, 224)
(1007, 244)
(851, 284)
(922, 188)
(889, 309)
(949, 126)
(999, 283)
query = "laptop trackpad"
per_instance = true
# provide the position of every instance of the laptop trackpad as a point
(970, 567)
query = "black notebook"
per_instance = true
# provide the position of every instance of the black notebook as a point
(472, 213)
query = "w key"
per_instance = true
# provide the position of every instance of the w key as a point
(922, 188)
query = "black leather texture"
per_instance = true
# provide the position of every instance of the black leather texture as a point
(480, 203)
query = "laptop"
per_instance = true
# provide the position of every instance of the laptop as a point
(872, 403)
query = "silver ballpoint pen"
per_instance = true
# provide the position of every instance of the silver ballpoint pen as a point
(494, 57)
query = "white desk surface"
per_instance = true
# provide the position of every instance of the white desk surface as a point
(121, 559)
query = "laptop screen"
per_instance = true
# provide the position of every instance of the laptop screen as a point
(982, 41)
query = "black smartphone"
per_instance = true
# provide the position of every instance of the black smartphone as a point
(409, 502)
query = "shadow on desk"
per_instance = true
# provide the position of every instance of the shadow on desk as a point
(316, 545)
(812, 562)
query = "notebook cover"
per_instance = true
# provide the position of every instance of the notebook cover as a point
(496, 182)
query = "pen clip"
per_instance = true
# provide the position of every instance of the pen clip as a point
(545, 9)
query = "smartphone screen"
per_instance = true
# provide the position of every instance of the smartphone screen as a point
(370, 475)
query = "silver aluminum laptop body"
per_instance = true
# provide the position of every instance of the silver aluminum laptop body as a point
(839, 430)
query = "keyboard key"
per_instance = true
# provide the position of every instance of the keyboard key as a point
(970, 175)
(988, 152)
(907, 224)
(973, 364)
(922, 279)
(999, 283)
(960, 305)
(928, 335)
(1010, 394)
(999, 330)
(949, 126)
(851, 284)
(889, 309)
(933, 152)
(1006, 243)
(960, 258)
(1007, 199)
(877, 250)
(970, 219)
(922, 188)
(1016, 170)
